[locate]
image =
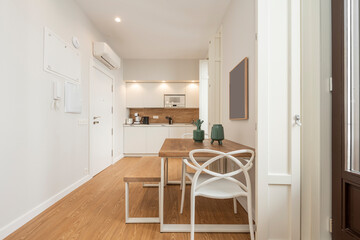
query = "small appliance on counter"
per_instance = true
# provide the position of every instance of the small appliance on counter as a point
(145, 120)
(129, 121)
(137, 118)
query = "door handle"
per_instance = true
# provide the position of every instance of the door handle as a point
(96, 122)
(96, 117)
(298, 120)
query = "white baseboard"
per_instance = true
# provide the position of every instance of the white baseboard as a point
(243, 203)
(20, 221)
(118, 158)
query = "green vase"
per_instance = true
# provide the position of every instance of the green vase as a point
(217, 133)
(198, 135)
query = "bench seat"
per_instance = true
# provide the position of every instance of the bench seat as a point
(147, 169)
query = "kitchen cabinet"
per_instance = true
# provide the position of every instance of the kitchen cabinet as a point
(142, 140)
(151, 95)
(176, 132)
(175, 88)
(155, 138)
(135, 140)
(192, 95)
(134, 95)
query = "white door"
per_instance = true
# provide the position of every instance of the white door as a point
(278, 132)
(101, 120)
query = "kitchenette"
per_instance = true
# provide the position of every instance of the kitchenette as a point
(156, 111)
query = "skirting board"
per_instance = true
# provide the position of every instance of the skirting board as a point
(20, 221)
(118, 158)
(243, 203)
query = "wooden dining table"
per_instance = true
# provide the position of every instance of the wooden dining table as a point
(180, 148)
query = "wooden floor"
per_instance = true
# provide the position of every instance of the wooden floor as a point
(96, 210)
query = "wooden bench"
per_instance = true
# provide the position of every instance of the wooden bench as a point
(146, 170)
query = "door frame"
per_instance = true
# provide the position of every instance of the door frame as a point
(94, 63)
(278, 161)
(340, 176)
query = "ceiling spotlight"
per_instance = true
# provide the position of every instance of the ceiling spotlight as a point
(117, 19)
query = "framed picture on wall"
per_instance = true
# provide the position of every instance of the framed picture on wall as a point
(238, 89)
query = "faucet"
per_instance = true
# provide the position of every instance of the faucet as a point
(170, 120)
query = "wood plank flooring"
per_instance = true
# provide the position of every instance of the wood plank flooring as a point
(96, 210)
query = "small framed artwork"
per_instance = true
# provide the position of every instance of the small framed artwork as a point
(238, 89)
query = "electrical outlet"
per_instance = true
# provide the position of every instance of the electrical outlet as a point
(155, 117)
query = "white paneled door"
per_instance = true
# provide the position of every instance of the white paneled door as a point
(101, 120)
(278, 131)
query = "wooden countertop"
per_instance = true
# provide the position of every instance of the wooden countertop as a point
(178, 147)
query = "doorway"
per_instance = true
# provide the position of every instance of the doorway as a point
(101, 118)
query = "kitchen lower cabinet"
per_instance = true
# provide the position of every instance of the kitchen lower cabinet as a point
(176, 132)
(155, 138)
(143, 140)
(135, 140)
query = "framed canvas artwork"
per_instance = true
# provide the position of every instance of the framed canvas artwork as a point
(238, 85)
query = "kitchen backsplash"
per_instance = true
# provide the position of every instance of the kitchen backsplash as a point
(179, 115)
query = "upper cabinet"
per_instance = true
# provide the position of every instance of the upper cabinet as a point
(174, 88)
(134, 95)
(151, 95)
(192, 95)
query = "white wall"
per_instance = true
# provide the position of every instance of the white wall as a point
(161, 69)
(238, 42)
(316, 111)
(43, 151)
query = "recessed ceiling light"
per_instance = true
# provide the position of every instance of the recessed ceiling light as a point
(117, 19)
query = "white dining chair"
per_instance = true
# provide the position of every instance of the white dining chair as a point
(190, 176)
(207, 183)
(187, 135)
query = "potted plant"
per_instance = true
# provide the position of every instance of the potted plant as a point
(198, 134)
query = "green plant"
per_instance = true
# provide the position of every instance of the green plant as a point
(198, 123)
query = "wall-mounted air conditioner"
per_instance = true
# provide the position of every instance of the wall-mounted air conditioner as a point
(106, 55)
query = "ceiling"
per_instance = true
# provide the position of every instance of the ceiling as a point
(157, 29)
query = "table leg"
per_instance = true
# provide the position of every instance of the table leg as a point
(166, 171)
(161, 197)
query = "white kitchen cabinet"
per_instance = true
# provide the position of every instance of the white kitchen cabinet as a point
(153, 95)
(135, 140)
(142, 140)
(174, 88)
(192, 95)
(155, 138)
(134, 95)
(176, 132)
(190, 129)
